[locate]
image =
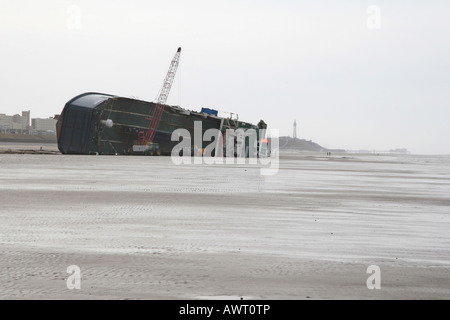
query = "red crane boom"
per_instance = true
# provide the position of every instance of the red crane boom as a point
(162, 98)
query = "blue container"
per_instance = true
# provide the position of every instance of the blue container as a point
(210, 111)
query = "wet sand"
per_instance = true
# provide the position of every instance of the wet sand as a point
(143, 228)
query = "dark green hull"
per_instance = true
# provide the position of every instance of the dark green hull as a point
(81, 127)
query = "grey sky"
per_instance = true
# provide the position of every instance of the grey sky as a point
(316, 61)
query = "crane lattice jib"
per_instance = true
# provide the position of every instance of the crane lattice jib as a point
(162, 98)
(165, 90)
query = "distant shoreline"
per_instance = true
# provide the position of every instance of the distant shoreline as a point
(28, 138)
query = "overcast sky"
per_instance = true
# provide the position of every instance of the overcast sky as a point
(355, 74)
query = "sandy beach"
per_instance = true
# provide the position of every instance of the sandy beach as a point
(144, 228)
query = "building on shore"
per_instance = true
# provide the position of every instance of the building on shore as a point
(23, 124)
(42, 126)
(19, 124)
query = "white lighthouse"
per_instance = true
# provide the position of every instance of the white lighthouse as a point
(294, 134)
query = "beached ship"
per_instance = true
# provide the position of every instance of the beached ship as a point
(97, 123)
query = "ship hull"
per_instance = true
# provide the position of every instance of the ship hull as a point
(81, 126)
